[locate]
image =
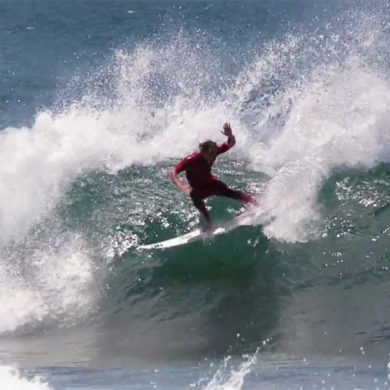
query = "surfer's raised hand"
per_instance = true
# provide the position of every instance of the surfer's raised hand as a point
(227, 130)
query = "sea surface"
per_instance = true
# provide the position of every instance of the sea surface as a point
(99, 99)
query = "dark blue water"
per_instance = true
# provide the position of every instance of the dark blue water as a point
(46, 44)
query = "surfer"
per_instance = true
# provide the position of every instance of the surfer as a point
(202, 184)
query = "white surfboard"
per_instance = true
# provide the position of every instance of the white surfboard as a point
(243, 219)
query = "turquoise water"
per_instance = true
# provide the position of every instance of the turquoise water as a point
(99, 100)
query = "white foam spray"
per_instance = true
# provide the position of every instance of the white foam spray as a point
(228, 377)
(57, 284)
(333, 124)
(12, 379)
(48, 285)
(306, 122)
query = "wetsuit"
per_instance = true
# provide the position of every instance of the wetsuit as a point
(203, 183)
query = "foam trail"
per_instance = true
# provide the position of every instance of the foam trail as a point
(11, 379)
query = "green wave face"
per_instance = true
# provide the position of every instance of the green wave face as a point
(241, 289)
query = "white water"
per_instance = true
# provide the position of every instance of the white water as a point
(340, 122)
(12, 379)
(47, 285)
(230, 378)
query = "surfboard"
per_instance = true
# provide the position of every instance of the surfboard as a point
(243, 219)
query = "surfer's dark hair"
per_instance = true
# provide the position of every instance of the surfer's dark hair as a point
(203, 146)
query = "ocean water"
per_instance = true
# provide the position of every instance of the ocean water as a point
(99, 99)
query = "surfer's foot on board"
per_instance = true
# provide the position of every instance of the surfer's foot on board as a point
(209, 228)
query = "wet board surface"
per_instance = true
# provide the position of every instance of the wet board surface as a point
(243, 219)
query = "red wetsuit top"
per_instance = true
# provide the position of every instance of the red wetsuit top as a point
(198, 170)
